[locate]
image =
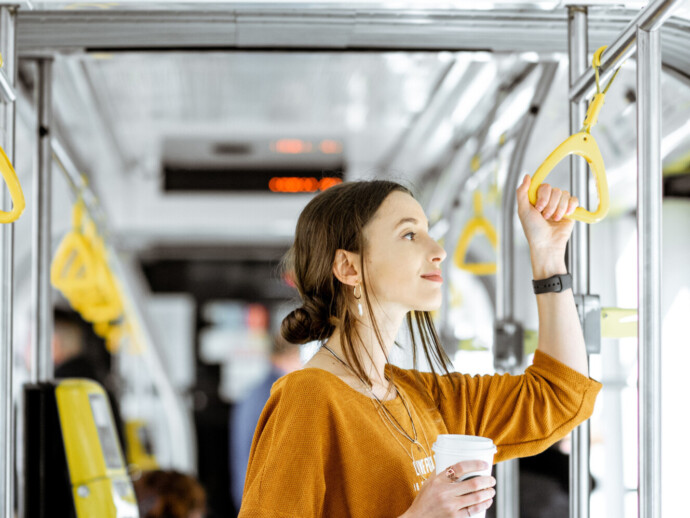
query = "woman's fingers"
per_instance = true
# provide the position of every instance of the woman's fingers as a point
(562, 206)
(572, 205)
(473, 485)
(543, 196)
(476, 499)
(478, 508)
(465, 467)
(552, 204)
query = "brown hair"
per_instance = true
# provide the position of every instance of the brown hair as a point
(335, 219)
(169, 494)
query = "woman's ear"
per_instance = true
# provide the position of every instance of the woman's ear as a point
(346, 267)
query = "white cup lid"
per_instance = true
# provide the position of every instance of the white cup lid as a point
(466, 443)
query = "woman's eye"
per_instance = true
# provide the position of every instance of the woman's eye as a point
(411, 234)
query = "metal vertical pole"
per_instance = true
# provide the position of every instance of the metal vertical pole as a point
(649, 201)
(41, 353)
(578, 251)
(7, 124)
(508, 342)
(508, 489)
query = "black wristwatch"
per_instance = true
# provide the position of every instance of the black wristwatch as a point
(557, 284)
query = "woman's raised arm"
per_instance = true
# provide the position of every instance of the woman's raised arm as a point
(560, 332)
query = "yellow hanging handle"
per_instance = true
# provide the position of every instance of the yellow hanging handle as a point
(478, 224)
(103, 303)
(73, 268)
(13, 185)
(81, 272)
(582, 144)
(15, 188)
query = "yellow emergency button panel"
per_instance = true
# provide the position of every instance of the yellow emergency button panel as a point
(106, 497)
(100, 484)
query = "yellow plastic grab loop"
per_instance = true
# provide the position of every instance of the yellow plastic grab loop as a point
(15, 188)
(102, 328)
(478, 224)
(73, 270)
(104, 302)
(13, 185)
(584, 145)
(81, 272)
(111, 333)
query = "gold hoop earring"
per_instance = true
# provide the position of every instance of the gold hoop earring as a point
(359, 304)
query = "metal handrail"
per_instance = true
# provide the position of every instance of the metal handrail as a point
(8, 18)
(649, 18)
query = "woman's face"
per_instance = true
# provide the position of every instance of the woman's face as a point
(402, 262)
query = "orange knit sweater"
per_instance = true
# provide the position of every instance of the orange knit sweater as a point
(321, 449)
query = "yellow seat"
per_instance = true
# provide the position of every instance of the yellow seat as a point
(477, 225)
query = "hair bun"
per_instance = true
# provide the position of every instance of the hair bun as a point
(296, 327)
(307, 323)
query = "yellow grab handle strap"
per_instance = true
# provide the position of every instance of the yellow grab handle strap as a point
(73, 265)
(78, 215)
(584, 145)
(596, 59)
(15, 188)
(478, 209)
(593, 112)
(475, 226)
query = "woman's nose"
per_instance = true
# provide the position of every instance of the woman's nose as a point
(438, 253)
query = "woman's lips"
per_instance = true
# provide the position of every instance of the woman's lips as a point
(434, 277)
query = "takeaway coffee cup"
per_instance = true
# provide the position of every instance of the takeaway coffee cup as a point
(450, 449)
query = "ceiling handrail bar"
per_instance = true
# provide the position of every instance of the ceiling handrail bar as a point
(624, 46)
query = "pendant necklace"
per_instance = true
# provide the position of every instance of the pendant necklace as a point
(386, 415)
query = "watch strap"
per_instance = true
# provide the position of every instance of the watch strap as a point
(555, 284)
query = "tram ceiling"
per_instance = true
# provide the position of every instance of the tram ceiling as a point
(118, 109)
(328, 28)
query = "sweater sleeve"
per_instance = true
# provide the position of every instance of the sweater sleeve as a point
(288, 459)
(522, 414)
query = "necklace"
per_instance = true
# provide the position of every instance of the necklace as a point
(421, 465)
(387, 413)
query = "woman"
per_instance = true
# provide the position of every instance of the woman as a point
(350, 435)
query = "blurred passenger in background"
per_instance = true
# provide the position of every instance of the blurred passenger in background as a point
(79, 353)
(169, 494)
(245, 415)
